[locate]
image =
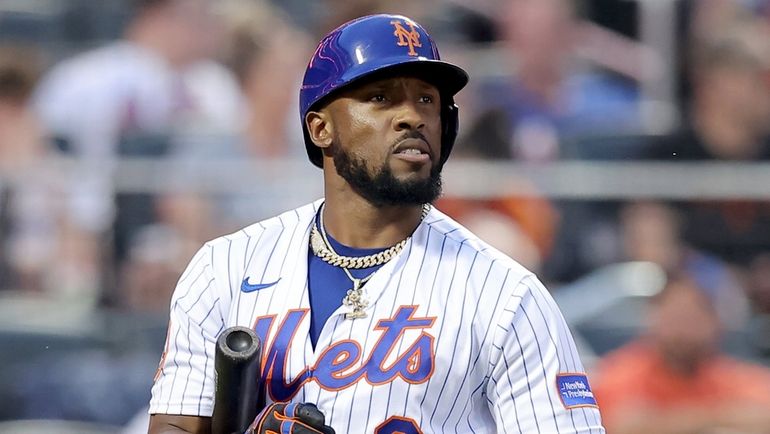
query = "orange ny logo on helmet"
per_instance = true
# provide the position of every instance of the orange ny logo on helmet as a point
(405, 37)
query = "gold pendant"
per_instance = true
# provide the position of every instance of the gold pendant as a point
(355, 299)
(355, 314)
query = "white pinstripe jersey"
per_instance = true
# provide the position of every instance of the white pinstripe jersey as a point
(458, 337)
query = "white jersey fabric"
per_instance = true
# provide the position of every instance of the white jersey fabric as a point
(458, 338)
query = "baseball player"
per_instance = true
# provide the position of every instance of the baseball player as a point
(378, 313)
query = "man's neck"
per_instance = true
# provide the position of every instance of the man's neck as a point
(355, 222)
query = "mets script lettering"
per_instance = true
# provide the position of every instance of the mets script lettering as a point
(406, 38)
(341, 366)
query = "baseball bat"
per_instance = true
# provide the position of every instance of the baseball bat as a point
(237, 365)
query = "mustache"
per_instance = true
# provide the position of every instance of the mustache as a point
(413, 134)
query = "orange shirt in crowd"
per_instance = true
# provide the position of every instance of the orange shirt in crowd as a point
(635, 376)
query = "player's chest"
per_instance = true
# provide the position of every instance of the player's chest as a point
(348, 351)
(402, 343)
(408, 328)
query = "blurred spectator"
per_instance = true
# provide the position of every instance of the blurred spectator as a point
(28, 238)
(728, 121)
(548, 97)
(651, 231)
(129, 98)
(551, 104)
(268, 55)
(730, 97)
(674, 379)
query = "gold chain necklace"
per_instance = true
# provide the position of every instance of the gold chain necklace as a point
(323, 250)
(354, 297)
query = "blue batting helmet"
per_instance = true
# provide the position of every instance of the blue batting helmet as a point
(377, 44)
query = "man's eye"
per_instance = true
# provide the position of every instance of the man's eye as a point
(378, 98)
(426, 99)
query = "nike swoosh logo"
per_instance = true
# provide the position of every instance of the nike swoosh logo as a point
(247, 287)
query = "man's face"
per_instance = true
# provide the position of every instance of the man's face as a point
(685, 327)
(387, 140)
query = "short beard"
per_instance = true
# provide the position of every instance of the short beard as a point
(382, 188)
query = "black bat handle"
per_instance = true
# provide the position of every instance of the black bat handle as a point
(237, 364)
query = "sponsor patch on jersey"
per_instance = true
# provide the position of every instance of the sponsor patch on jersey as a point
(574, 390)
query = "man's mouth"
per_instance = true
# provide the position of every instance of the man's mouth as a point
(411, 151)
(412, 147)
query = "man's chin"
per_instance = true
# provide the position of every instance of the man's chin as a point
(409, 180)
(396, 183)
(410, 172)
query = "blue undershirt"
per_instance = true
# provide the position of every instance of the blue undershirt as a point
(328, 285)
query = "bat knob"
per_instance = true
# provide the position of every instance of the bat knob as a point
(238, 343)
(240, 340)
(237, 380)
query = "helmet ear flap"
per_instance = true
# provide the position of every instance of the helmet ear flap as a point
(450, 121)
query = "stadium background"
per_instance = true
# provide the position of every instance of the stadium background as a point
(574, 157)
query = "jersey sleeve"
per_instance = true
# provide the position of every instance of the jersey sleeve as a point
(184, 383)
(536, 380)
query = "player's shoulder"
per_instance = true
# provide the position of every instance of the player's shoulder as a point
(456, 233)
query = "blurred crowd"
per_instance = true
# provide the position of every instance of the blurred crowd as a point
(200, 81)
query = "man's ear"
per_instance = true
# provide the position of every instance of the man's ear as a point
(319, 128)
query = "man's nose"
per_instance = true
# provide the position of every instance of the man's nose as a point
(408, 116)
